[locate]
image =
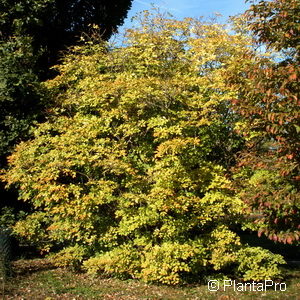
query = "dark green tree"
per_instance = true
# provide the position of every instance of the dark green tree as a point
(55, 25)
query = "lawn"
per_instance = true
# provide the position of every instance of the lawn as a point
(39, 279)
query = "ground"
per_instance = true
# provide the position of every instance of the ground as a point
(38, 279)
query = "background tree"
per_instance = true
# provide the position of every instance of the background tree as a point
(55, 25)
(269, 104)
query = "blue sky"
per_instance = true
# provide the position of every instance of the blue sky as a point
(189, 8)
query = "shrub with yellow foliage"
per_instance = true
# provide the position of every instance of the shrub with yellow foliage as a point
(130, 170)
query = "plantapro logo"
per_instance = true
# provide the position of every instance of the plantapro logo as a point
(216, 285)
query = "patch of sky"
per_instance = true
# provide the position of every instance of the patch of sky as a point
(180, 9)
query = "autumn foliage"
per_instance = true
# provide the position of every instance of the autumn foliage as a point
(130, 174)
(268, 170)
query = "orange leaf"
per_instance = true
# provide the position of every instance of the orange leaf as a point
(293, 77)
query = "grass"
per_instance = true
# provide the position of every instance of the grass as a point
(39, 279)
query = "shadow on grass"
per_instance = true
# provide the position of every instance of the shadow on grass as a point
(25, 267)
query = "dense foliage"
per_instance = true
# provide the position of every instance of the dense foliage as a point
(20, 92)
(54, 25)
(268, 102)
(33, 33)
(129, 175)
